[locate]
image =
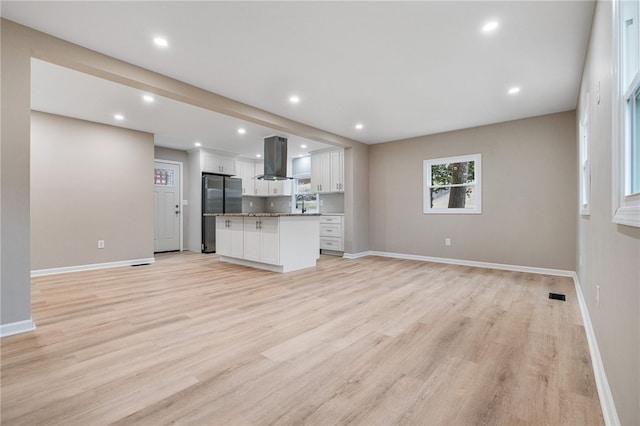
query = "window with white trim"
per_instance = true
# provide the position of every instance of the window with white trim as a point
(452, 185)
(626, 148)
(585, 169)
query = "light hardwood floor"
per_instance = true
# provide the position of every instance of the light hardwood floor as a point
(191, 340)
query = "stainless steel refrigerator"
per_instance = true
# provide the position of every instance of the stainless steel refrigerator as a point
(220, 194)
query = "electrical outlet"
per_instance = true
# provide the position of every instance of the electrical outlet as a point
(272, 204)
(447, 241)
(597, 296)
(250, 203)
(100, 244)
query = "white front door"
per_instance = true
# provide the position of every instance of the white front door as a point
(166, 235)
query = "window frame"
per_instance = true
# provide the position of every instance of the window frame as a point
(625, 205)
(583, 149)
(427, 184)
(295, 194)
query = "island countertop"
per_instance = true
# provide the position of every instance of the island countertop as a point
(261, 214)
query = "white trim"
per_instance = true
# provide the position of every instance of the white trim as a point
(356, 255)
(516, 268)
(625, 208)
(180, 195)
(91, 267)
(604, 391)
(428, 184)
(627, 215)
(17, 327)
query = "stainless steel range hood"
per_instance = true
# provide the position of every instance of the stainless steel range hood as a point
(275, 159)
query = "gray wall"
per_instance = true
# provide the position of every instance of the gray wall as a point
(356, 199)
(15, 265)
(529, 192)
(89, 182)
(610, 253)
(161, 153)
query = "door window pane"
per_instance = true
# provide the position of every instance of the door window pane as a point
(163, 177)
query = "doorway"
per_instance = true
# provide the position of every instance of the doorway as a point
(167, 229)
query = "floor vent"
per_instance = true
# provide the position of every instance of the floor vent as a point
(557, 296)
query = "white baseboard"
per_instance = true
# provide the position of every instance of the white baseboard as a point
(17, 327)
(607, 403)
(516, 268)
(356, 255)
(67, 269)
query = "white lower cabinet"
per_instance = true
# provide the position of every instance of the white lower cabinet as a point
(261, 240)
(275, 243)
(230, 236)
(331, 233)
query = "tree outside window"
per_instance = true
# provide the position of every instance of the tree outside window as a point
(452, 185)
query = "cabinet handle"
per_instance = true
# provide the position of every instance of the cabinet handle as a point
(257, 224)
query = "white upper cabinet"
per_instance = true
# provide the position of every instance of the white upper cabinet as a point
(337, 171)
(327, 171)
(262, 186)
(280, 187)
(246, 171)
(214, 162)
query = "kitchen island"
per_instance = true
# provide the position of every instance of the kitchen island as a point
(278, 242)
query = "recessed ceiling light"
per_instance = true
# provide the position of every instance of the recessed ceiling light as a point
(300, 155)
(303, 146)
(490, 26)
(197, 144)
(160, 41)
(259, 155)
(359, 126)
(242, 131)
(118, 117)
(294, 99)
(148, 98)
(514, 90)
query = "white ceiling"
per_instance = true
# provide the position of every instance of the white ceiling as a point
(403, 69)
(177, 125)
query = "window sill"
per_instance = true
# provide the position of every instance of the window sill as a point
(452, 211)
(628, 215)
